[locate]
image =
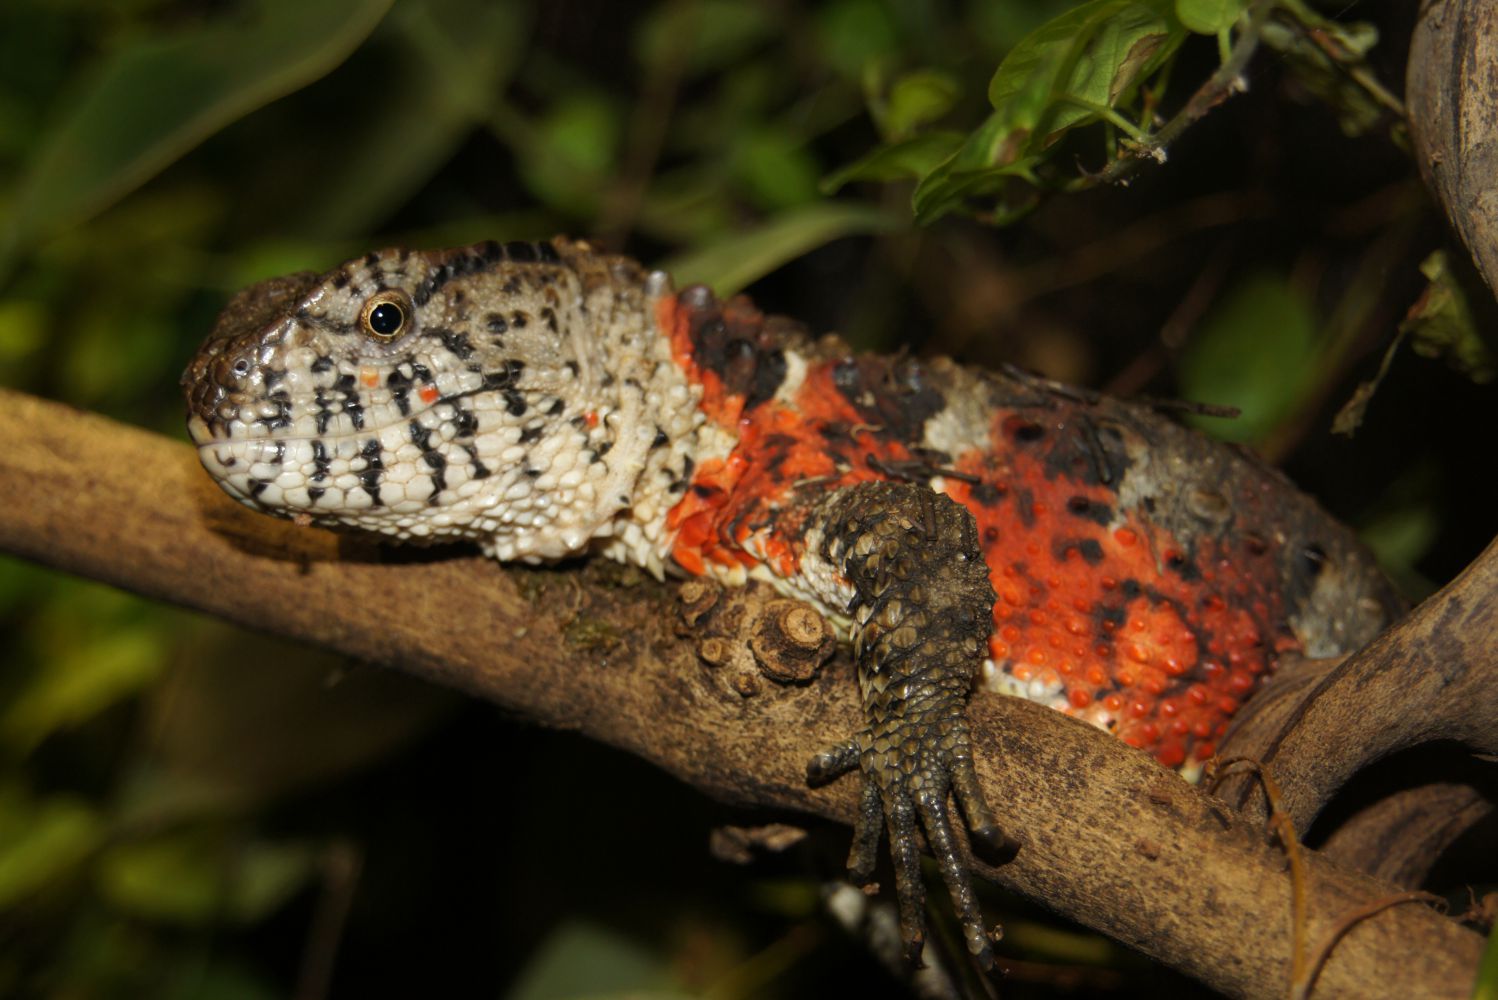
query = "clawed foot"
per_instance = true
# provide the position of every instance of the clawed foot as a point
(901, 783)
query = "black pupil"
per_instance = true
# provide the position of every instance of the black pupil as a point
(386, 318)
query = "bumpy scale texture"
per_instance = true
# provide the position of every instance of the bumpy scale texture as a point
(543, 400)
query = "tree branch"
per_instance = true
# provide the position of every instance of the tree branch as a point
(1110, 838)
(1453, 114)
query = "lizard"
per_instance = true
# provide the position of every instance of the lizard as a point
(963, 528)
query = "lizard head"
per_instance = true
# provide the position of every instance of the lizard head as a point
(424, 395)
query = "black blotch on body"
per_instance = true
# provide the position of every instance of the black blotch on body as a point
(373, 471)
(320, 461)
(1183, 566)
(1110, 619)
(1098, 513)
(480, 470)
(735, 343)
(355, 411)
(456, 342)
(479, 258)
(1025, 503)
(1090, 549)
(400, 390)
(891, 394)
(505, 376)
(437, 462)
(987, 494)
(324, 411)
(351, 405)
(467, 423)
(1091, 453)
(1027, 432)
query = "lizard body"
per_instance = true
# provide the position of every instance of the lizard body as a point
(545, 400)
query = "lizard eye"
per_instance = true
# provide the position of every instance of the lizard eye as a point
(386, 316)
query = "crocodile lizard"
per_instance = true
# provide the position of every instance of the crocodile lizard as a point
(960, 526)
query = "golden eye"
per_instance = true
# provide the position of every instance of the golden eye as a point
(386, 316)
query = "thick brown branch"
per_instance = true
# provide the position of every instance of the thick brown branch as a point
(1453, 113)
(1109, 837)
(1431, 677)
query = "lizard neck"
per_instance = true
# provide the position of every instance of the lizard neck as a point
(629, 434)
(651, 432)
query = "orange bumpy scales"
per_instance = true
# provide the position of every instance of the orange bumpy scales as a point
(544, 399)
(1147, 578)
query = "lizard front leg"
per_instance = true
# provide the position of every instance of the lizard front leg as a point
(922, 606)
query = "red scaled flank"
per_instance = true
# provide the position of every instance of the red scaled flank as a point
(1103, 615)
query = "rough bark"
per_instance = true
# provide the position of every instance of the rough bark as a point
(1109, 838)
(1451, 91)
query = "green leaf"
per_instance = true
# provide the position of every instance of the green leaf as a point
(1257, 351)
(911, 158)
(85, 678)
(151, 101)
(732, 263)
(1442, 326)
(703, 36)
(776, 167)
(854, 33)
(1486, 987)
(573, 153)
(986, 161)
(1208, 17)
(1076, 69)
(194, 877)
(1088, 58)
(916, 99)
(584, 959)
(41, 839)
(23, 332)
(453, 57)
(1401, 536)
(1333, 68)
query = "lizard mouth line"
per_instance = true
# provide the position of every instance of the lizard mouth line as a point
(198, 427)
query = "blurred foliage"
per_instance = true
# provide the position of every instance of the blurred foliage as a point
(186, 811)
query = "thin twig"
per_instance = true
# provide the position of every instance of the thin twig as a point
(1219, 87)
(1346, 923)
(1284, 828)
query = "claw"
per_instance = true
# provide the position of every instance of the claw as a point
(925, 605)
(910, 890)
(834, 762)
(864, 854)
(943, 844)
(987, 837)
